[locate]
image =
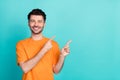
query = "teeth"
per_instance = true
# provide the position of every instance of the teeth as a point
(35, 28)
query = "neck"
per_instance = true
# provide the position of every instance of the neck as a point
(37, 36)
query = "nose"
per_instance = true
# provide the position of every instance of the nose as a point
(36, 24)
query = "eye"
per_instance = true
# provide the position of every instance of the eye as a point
(40, 21)
(32, 20)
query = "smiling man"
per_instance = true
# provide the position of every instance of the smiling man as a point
(38, 56)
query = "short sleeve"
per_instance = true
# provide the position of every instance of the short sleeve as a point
(20, 51)
(56, 53)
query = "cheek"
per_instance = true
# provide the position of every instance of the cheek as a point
(31, 24)
(43, 24)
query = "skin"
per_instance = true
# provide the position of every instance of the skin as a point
(36, 24)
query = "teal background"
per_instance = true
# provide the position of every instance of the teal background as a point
(93, 26)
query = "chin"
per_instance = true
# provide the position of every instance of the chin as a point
(36, 32)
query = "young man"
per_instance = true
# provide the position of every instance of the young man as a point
(38, 56)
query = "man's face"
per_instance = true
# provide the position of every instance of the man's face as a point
(36, 24)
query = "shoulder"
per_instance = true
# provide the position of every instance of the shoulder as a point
(22, 42)
(53, 41)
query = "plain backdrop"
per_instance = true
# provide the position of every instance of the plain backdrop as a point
(92, 25)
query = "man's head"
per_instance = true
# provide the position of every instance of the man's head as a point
(37, 12)
(36, 20)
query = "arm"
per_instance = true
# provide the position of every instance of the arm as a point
(64, 52)
(28, 65)
(57, 68)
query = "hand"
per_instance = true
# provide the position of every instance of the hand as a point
(65, 50)
(48, 44)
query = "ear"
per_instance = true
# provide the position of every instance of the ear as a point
(28, 23)
(44, 24)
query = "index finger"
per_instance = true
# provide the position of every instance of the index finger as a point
(68, 42)
(52, 38)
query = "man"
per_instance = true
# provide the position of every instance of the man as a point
(38, 56)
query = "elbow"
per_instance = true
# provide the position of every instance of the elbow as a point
(25, 71)
(56, 71)
(24, 68)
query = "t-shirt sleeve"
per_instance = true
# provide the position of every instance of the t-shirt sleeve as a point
(56, 53)
(20, 51)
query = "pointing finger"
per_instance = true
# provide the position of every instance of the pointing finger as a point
(52, 38)
(67, 44)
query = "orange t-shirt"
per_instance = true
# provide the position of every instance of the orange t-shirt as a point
(28, 48)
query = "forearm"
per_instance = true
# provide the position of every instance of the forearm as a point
(57, 68)
(64, 52)
(28, 65)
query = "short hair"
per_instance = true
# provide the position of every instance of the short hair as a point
(37, 12)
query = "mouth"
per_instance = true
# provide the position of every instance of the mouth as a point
(36, 28)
